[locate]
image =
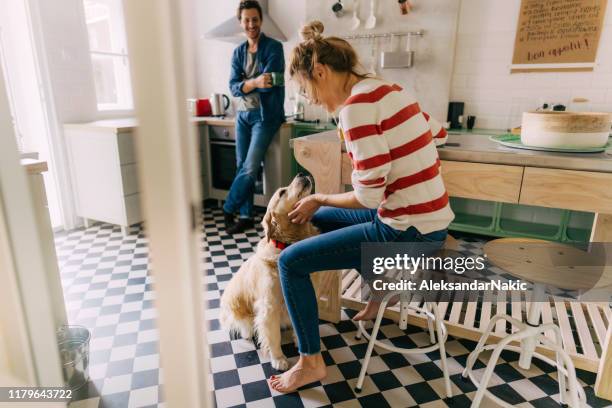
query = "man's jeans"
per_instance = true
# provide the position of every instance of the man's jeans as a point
(253, 136)
(338, 247)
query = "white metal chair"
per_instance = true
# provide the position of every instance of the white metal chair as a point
(435, 324)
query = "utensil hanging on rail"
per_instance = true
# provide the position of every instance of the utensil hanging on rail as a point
(338, 8)
(371, 21)
(355, 22)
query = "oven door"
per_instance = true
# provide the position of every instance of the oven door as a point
(222, 163)
(223, 166)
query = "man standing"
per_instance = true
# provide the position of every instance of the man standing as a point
(260, 111)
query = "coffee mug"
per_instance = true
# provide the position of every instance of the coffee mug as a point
(471, 120)
(278, 79)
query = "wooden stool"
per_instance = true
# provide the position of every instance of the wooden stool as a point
(544, 264)
(435, 324)
(433, 319)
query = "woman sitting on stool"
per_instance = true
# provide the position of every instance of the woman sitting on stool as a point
(398, 194)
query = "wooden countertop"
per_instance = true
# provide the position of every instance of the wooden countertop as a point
(478, 148)
(224, 121)
(34, 166)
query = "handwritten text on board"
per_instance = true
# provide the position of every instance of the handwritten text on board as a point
(558, 31)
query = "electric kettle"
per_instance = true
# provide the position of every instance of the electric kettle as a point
(219, 103)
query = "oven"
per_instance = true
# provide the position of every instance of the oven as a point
(221, 162)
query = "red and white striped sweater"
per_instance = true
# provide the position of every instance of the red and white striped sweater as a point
(392, 146)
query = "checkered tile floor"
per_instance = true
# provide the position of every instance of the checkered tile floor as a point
(108, 290)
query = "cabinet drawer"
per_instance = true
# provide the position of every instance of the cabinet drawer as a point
(480, 181)
(222, 133)
(574, 190)
(125, 142)
(133, 212)
(129, 178)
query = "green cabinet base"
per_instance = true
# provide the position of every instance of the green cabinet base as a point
(514, 220)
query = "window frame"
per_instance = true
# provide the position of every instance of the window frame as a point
(119, 51)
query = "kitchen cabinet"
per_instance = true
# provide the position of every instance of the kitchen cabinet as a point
(34, 170)
(483, 181)
(103, 171)
(576, 190)
(203, 150)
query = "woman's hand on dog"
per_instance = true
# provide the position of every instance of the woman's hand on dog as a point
(304, 209)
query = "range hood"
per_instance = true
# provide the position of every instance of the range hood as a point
(231, 31)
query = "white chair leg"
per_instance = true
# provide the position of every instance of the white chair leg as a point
(403, 320)
(481, 343)
(486, 377)
(560, 367)
(430, 323)
(358, 334)
(441, 342)
(368, 354)
(565, 367)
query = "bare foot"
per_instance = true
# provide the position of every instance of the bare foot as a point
(371, 310)
(308, 369)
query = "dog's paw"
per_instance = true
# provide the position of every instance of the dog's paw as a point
(280, 364)
(246, 334)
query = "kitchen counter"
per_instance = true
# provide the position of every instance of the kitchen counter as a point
(123, 125)
(34, 166)
(223, 121)
(128, 124)
(477, 148)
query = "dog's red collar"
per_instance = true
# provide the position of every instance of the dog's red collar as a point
(279, 244)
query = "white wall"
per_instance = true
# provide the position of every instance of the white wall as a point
(214, 56)
(482, 79)
(429, 79)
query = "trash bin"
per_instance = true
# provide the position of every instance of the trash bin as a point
(73, 343)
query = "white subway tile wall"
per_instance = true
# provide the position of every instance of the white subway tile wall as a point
(481, 76)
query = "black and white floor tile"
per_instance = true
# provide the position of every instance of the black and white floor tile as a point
(108, 289)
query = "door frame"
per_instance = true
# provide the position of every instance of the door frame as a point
(58, 153)
(159, 34)
(27, 306)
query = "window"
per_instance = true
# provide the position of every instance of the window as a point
(109, 56)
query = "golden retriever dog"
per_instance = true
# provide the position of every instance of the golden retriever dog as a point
(252, 302)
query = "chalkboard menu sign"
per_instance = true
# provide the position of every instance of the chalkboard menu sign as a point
(558, 35)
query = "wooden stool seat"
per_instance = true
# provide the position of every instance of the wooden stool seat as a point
(549, 263)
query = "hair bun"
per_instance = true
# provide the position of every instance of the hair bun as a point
(312, 30)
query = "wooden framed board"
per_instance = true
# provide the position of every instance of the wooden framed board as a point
(560, 35)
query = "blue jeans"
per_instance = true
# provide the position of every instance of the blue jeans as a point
(253, 136)
(337, 247)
